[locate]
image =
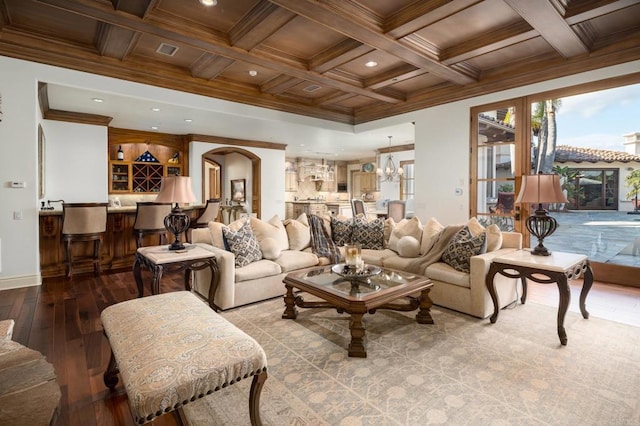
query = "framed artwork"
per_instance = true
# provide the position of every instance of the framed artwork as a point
(238, 190)
(41, 162)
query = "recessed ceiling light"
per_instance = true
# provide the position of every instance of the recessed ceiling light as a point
(253, 73)
(188, 120)
(97, 100)
(154, 127)
(209, 2)
(155, 109)
(371, 64)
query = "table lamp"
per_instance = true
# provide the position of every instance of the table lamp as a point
(176, 189)
(539, 189)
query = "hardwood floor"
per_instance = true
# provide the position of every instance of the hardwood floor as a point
(61, 319)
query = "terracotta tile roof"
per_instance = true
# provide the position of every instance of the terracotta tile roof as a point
(576, 154)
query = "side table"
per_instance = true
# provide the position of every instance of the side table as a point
(158, 259)
(559, 267)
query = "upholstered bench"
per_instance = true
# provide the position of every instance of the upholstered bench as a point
(172, 349)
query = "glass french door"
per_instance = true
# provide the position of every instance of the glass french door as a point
(497, 159)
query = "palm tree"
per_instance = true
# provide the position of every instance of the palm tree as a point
(633, 181)
(543, 125)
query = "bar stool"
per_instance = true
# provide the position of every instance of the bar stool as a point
(357, 207)
(150, 221)
(210, 213)
(83, 222)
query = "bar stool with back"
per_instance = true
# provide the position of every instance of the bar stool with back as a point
(150, 221)
(357, 207)
(83, 222)
(209, 214)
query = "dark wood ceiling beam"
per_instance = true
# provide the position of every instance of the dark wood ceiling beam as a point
(544, 17)
(347, 25)
(256, 26)
(114, 41)
(488, 42)
(333, 98)
(209, 66)
(279, 84)
(423, 13)
(135, 7)
(343, 52)
(392, 76)
(185, 33)
(580, 11)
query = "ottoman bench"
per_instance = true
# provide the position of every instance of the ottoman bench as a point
(172, 349)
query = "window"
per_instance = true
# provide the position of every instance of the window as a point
(407, 183)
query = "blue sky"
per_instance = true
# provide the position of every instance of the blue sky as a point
(599, 119)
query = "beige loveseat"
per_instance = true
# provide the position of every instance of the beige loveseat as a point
(409, 245)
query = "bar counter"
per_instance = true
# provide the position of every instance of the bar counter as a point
(118, 246)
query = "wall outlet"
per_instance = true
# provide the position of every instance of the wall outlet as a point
(458, 191)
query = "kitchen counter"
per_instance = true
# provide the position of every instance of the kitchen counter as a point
(123, 209)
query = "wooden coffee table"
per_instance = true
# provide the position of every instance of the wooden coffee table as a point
(389, 289)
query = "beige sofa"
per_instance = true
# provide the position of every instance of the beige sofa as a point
(262, 279)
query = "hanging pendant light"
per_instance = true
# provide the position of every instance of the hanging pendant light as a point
(390, 172)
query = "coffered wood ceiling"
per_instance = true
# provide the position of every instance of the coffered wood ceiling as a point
(310, 55)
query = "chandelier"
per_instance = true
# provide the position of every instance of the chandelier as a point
(390, 171)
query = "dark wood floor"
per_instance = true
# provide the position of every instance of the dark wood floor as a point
(61, 319)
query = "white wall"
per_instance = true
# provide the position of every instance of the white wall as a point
(76, 170)
(391, 190)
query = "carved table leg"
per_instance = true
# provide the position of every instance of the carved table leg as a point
(157, 276)
(138, 275)
(290, 311)
(565, 297)
(586, 286)
(424, 315)
(493, 270)
(356, 327)
(523, 299)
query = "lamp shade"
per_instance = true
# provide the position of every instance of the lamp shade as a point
(176, 189)
(541, 188)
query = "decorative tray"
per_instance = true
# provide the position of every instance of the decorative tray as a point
(350, 273)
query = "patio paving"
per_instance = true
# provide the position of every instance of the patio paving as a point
(604, 236)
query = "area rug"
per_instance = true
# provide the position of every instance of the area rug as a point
(459, 371)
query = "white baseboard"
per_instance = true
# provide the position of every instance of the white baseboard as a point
(19, 282)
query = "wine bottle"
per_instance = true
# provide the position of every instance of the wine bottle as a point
(120, 153)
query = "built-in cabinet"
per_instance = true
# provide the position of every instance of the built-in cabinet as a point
(293, 210)
(362, 182)
(148, 157)
(291, 181)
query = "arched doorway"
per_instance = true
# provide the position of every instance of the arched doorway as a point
(217, 157)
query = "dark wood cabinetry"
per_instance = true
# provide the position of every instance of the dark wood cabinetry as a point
(163, 155)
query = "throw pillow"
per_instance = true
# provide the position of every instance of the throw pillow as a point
(430, 234)
(243, 244)
(215, 229)
(273, 228)
(270, 248)
(341, 230)
(462, 246)
(408, 247)
(298, 232)
(494, 235)
(370, 235)
(405, 227)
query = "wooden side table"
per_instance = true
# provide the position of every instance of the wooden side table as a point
(557, 268)
(158, 259)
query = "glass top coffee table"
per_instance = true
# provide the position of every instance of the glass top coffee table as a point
(383, 289)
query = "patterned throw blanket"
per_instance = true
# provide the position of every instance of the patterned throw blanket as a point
(321, 244)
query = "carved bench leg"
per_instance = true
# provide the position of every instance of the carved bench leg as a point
(254, 398)
(110, 376)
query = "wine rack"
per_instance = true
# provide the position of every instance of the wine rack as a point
(146, 177)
